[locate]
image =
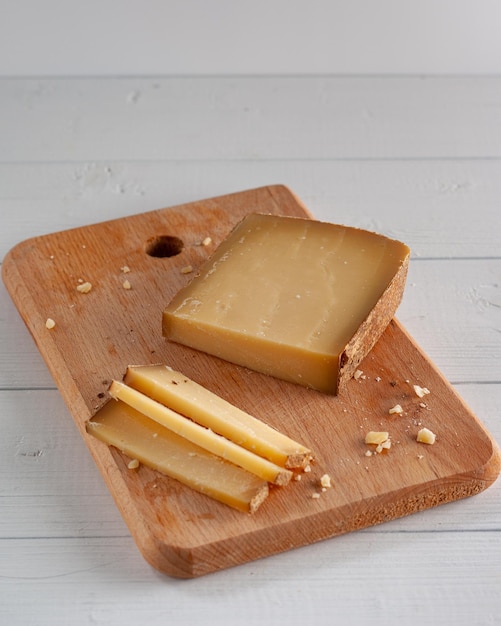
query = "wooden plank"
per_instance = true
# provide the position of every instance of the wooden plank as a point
(361, 39)
(429, 204)
(450, 307)
(326, 117)
(51, 487)
(456, 321)
(102, 579)
(98, 334)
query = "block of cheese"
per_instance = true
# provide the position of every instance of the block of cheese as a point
(294, 298)
(199, 435)
(178, 392)
(139, 437)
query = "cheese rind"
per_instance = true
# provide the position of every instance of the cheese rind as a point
(173, 389)
(201, 436)
(119, 425)
(294, 298)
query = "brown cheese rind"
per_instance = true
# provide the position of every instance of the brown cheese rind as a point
(372, 328)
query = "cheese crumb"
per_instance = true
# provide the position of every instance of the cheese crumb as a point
(357, 374)
(396, 409)
(380, 439)
(421, 392)
(125, 269)
(325, 481)
(386, 445)
(425, 435)
(134, 464)
(315, 496)
(207, 241)
(84, 287)
(126, 285)
(50, 323)
(376, 437)
(187, 269)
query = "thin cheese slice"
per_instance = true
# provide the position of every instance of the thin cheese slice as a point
(185, 396)
(139, 437)
(199, 435)
(294, 298)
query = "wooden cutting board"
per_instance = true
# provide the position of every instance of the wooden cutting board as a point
(181, 532)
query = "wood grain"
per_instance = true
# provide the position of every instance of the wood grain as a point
(235, 117)
(183, 533)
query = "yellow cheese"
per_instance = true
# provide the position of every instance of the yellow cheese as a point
(425, 435)
(185, 396)
(139, 437)
(294, 298)
(376, 436)
(201, 436)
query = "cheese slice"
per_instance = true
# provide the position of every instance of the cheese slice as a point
(294, 298)
(139, 437)
(187, 397)
(199, 435)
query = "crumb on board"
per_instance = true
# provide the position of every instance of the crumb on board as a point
(133, 464)
(325, 481)
(50, 323)
(126, 285)
(376, 437)
(358, 374)
(420, 392)
(381, 439)
(386, 445)
(207, 241)
(125, 269)
(187, 269)
(425, 435)
(396, 409)
(84, 287)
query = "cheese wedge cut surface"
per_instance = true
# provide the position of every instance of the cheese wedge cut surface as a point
(294, 298)
(199, 435)
(175, 390)
(139, 437)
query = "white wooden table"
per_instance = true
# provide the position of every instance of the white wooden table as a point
(416, 158)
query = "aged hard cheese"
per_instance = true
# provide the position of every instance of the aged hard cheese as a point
(139, 437)
(173, 389)
(199, 435)
(294, 298)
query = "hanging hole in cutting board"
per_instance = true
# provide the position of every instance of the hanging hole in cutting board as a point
(163, 246)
